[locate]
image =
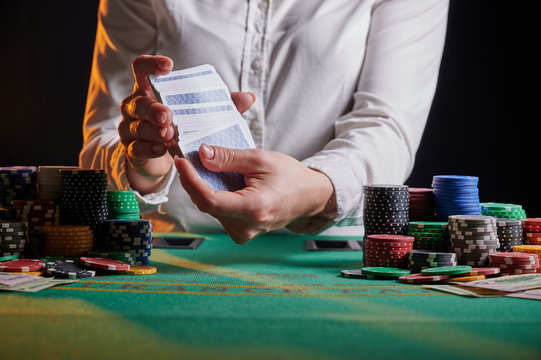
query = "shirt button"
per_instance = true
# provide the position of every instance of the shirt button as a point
(263, 5)
(256, 64)
(254, 125)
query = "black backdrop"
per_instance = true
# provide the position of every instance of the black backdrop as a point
(483, 120)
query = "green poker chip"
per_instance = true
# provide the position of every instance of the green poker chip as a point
(447, 270)
(428, 224)
(385, 271)
(9, 257)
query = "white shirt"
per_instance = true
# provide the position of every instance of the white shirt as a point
(345, 86)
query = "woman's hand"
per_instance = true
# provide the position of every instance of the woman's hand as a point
(279, 191)
(146, 126)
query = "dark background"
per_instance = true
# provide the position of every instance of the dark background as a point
(483, 120)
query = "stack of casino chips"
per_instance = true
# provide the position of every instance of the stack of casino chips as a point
(67, 240)
(509, 233)
(50, 182)
(456, 195)
(13, 237)
(37, 214)
(386, 209)
(419, 260)
(529, 249)
(515, 263)
(131, 235)
(387, 250)
(421, 204)
(84, 201)
(17, 183)
(429, 235)
(473, 238)
(531, 231)
(122, 204)
(501, 210)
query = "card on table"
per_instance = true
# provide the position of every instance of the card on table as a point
(203, 112)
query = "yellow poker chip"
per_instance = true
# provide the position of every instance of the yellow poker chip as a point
(140, 270)
(535, 249)
(35, 273)
(468, 278)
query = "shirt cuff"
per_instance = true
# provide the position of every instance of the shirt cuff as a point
(347, 188)
(149, 202)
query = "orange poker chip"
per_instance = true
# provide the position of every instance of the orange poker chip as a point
(140, 270)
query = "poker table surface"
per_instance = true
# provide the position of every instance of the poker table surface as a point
(267, 299)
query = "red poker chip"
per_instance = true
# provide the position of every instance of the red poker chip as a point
(21, 265)
(104, 264)
(518, 271)
(531, 221)
(484, 271)
(422, 279)
(532, 235)
(511, 255)
(391, 238)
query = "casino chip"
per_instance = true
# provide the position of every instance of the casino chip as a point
(104, 264)
(468, 278)
(385, 209)
(447, 270)
(422, 206)
(140, 270)
(131, 235)
(515, 263)
(500, 210)
(531, 231)
(509, 233)
(473, 238)
(122, 204)
(68, 240)
(386, 250)
(529, 249)
(17, 183)
(127, 256)
(21, 265)
(68, 269)
(422, 279)
(385, 271)
(37, 214)
(84, 201)
(419, 260)
(13, 237)
(429, 235)
(456, 194)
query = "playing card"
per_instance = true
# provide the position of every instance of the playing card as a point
(203, 112)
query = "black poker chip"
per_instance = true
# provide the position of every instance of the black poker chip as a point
(68, 269)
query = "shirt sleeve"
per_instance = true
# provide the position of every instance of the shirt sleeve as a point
(125, 30)
(377, 140)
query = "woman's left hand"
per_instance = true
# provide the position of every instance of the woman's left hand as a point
(279, 191)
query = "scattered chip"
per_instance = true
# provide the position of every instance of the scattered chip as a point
(447, 270)
(21, 265)
(140, 270)
(68, 269)
(105, 264)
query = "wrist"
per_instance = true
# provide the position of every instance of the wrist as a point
(144, 184)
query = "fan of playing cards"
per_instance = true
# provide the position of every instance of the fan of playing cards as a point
(203, 112)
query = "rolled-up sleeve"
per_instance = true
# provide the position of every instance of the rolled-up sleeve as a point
(126, 29)
(377, 140)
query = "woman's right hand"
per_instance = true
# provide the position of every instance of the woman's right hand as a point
(147, 126)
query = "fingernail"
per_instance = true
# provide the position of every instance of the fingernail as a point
(162, 117)
(163, 131)
(253, 96)
(157, 148)
(163, 64)
(208, 151)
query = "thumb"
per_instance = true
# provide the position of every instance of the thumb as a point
(221, 159)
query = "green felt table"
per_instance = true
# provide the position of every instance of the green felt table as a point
(268, 299)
